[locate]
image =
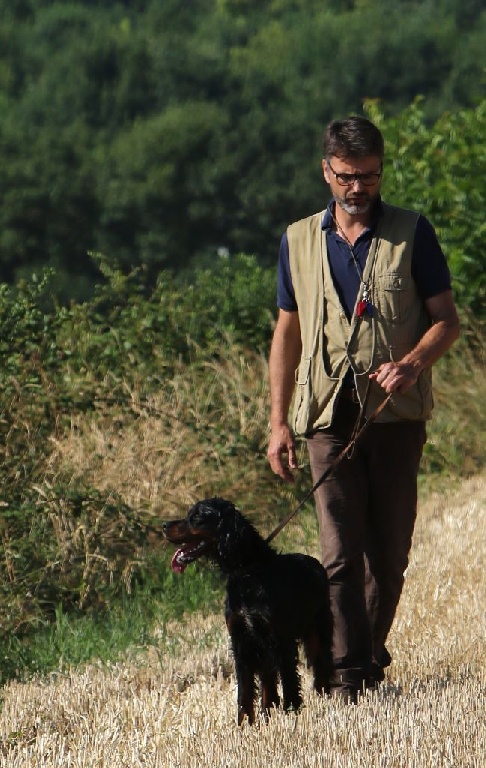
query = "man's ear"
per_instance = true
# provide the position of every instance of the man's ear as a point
(325, 170)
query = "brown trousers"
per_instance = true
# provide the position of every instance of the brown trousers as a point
(367, 510)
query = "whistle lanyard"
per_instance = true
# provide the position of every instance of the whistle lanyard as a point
(364, 304)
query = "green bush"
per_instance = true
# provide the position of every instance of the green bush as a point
(440, 170)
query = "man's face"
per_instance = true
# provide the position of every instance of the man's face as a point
(354, 183)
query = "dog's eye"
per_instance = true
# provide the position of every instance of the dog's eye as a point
(196, 519)
(203, 517)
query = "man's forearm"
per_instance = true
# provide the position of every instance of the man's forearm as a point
(435, 343)
(281, 390)
(284, 359)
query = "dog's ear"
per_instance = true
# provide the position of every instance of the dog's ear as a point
(223, 506)
(238, 541)
(209, 512)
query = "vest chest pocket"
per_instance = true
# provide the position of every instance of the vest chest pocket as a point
(394, 296)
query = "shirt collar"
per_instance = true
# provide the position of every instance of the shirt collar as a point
(327, 220)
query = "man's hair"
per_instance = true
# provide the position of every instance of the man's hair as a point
(355, 137)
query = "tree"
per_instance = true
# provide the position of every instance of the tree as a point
(160, 132)
(160, 188)
(441, 171)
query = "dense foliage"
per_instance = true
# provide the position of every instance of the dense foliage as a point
(441, 171)
(160, 132)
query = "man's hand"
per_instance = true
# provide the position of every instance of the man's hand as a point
(282, 444)
(395, 377)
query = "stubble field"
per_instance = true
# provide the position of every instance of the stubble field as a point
(173, 705)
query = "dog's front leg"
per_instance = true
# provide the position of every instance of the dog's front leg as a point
(269, 692)
(246, 693)
(289, 675)
(245, 674)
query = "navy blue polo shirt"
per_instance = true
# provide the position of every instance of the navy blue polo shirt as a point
(429, 267)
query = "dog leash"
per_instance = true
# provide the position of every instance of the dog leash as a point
(358, 431)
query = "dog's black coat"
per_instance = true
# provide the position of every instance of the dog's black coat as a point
(273, 602)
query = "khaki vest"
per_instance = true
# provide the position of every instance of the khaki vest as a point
(331, 343)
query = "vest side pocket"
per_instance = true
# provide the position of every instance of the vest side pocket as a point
(417, 402)
(302, 395)
(303, 371)
(398, 351)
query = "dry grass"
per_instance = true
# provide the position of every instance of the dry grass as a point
(170, 449)
(205, 433)
(176, 707)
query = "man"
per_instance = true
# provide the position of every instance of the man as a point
(364, 295)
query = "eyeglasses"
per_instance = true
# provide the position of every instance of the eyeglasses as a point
(346, 179)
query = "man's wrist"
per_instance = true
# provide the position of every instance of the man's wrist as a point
(277, 424)
(414, 363)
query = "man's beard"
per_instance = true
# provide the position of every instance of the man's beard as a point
(355, 206)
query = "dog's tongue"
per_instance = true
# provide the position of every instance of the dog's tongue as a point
(187, 553)
(177, 563)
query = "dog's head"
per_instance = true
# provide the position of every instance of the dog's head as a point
(216, 529)
(201, 532)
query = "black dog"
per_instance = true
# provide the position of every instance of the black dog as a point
(273, 602)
